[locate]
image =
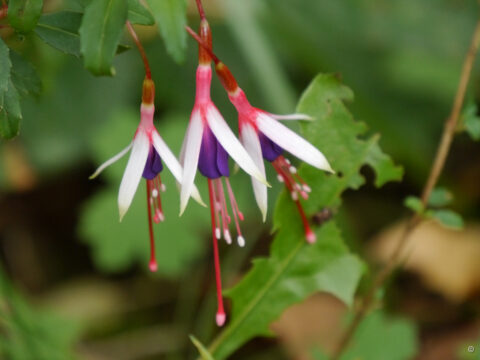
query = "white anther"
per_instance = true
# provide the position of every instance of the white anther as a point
(294, 195)
(218, 234)
(159, 217)
(227, 237)
(293, 170)
(280, 178)
(241, 241)
(154, 193)
(163, 187)
(306, 188)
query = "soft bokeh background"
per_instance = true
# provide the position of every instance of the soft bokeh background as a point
(80, 278)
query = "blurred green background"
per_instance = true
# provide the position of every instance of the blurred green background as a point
(79, 279)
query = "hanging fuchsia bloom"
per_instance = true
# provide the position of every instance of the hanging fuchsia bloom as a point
(265, 137)
(147, 152)
(208, 144)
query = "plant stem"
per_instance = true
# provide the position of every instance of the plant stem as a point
(436, 170)
(132, 32)
(201, 12)
(203, 44)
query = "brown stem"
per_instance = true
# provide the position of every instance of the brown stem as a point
(436, 170)
(132, 32)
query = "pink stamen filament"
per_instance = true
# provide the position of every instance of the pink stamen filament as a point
(233, 200)
(216, 206)
(156, 200)
(234, 206)
(282, 167)
(298, 185)
(153, 262)
(223, 210)
(220, 317)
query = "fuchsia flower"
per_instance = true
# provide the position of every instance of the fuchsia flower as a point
(208, 144)
(147, 152)
(264, 137)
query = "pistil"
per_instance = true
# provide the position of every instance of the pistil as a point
(220, 316)
(153, 262)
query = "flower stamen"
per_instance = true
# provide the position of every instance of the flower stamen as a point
(155, 199)
(283, 168)
(153, 262)
(233, 200)
(220, 317)
(223, 210)
(237, 214)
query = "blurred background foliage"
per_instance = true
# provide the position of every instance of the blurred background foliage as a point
(64, 252)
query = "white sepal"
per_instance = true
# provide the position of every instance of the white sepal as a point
(292, 117)
(251, 142)
(292, 142)
(172, 163)
(133, 172)
(232, 145)
(192, 152)
(184, 144)
(111, 161)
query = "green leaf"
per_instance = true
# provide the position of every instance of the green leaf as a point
(5, 65)
(29, 333)
(60, 30)
(100, 32)
(24, 14)
(10, 113)
(385, 169)
(440, 197)
(414, 204)
(472, 125)
(139, 14)
(118, 246)
(471, 121)
(448, 218)
(24, 76)
(171, 18)
(379, 337)
(295, 269)
(204, 354)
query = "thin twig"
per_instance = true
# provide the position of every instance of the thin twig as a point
(436, 170)
(201, 12)
(132, 32)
